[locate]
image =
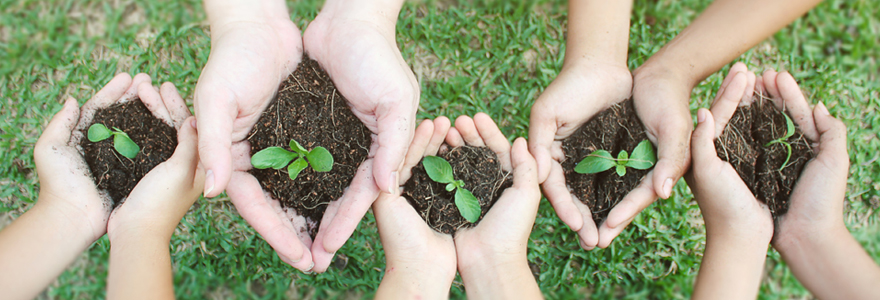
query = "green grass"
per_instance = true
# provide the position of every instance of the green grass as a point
(494, 58)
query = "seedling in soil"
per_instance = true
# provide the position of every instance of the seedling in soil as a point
(276, 157)
(121, 141)
(642, 158)
(440, 171)
(789, 131)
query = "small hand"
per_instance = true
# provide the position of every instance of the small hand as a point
(419, 260)
(492, 255)
(357, 47)
(575, 96)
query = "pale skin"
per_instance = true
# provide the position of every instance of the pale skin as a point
(660, 88)
(71, 213)
(490, 257)
(254, 47)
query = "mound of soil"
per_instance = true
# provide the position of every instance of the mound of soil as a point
(481, 172)
(614, 129)
(309, 109)
(115, 173)
(742, 144)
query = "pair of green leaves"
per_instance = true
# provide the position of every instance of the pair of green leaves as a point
(276, 157)
(789, 131)
(121, 141)
(642, 158)
(440, 171)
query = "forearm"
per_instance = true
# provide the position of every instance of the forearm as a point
(598, 31)
(725, 30)
(223, 12)
(412, 283)
(140, 266)
(832, 265)
(730, 269)
(37, 247)
(491, 280)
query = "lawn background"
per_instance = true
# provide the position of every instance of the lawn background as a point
(468, 57)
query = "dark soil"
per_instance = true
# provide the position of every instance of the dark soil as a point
(309, 109)
(115, 173)
(481, 172)
(742, 144)
(615, 129)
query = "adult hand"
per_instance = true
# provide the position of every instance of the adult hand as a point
(354, 42)
(254, 46)
(419, 262)
(492, 255)
(576, 95)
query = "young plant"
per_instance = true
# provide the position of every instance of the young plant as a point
(642, 158)
(441, 172)
(789, 131)
(121, 141)
(276, 157)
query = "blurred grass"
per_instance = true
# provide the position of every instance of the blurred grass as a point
(469, 57)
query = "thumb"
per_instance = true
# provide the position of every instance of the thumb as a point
(703, 139)
(187, 145)
(215, 113)
(395, 132)
(832, 139)
(61, 126)
(673, 146)
(542, 130)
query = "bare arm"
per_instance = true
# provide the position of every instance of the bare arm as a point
(598, 30)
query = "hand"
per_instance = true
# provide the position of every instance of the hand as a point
(163, 196)
(254, 47)
(578, 93)
(354, 42)
(420, 262)
(492, 256)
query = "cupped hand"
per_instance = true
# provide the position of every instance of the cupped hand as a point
(357, 48)
(418, 258)
(163, 196)
(579, 92)
(729, 208)
(816, 210)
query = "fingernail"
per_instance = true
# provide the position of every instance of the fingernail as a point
(392, 186)
(311, 266)
(209, 182)
(701, 116)
(823, 110)
(667, 187)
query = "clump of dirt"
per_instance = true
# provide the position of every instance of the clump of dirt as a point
(309, 109)
(115, 173)
(744, 145)
(482, 174)
(614, 129)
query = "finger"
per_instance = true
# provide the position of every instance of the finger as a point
(187, 151)
(253, 205)
(832, 139)
(760, 92)
(703, 140)
(769, 77)
(542, 131)
(750, 87)
(726, 104)
(453, 138)
(241, 156)
(416, 151)
(630, 206)
(525, 169)
(738, 67)
(673, 154)
(796, 105)
(352, 207)
(174, 103)
(132, 91)
(151, 99)
(494, 139)
(560, 198)
(103, 98)
(441, 129)
(215, 113)
(394, 135)
(588, 235)
(607, 234)
(60, 128)
(467, 129)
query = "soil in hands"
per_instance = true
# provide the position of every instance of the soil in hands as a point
(309, 109)
(118, 174)
(614, 129)
(742, 144)
(482, 174)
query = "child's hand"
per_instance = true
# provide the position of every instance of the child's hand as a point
(164, 195)
(418, 260)
(728, 206)
(492, 256)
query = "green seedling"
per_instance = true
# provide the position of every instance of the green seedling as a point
(441, 172)
(276, 157)
(642, 158)
(121, 141)
(789, 131)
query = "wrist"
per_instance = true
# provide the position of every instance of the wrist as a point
(223, 14)
(671, 72)
(381, 13)
(77, 223)
(479, 268)
(794, 237)
(140, 231)
(416, 281)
